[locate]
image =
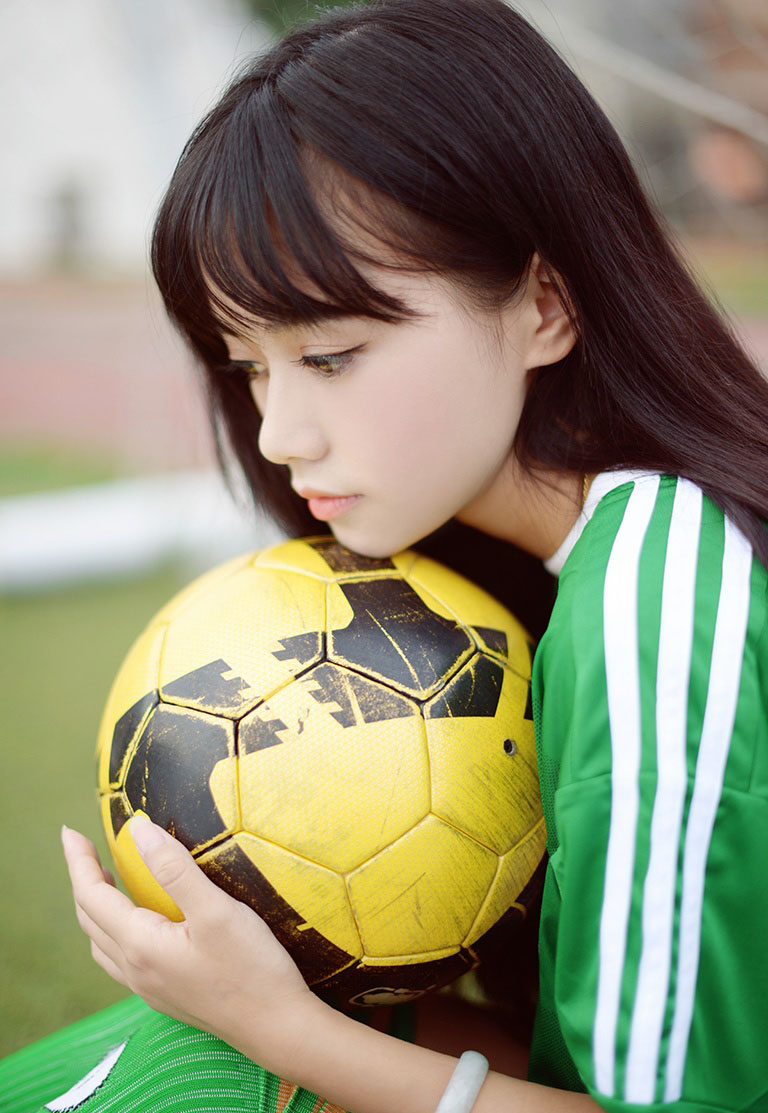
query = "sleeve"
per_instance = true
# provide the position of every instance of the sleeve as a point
(660, 975)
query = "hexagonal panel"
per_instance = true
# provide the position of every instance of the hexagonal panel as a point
(334, 793)
(169, 773)
(516, 869)
(240, 641)
(383, 628)
(484, 771)
(422, 894)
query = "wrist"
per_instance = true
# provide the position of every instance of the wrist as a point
(302, 1029)
(277, 1037)
(328, 1048)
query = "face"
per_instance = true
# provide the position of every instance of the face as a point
(390, 430)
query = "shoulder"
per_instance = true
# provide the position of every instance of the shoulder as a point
(660, 621)
(648, 543)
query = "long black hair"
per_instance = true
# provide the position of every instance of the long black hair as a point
(460, 143)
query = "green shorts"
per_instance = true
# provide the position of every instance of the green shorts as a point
(130, 1059)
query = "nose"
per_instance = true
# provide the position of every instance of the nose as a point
(290, 427)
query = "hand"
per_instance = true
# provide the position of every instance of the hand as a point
(221, 969)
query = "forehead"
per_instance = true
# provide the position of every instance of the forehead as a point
(420, 294)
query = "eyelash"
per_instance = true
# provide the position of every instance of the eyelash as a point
(335, 362)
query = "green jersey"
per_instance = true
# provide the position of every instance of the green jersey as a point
(650, 693)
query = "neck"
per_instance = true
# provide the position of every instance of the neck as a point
(534, 512)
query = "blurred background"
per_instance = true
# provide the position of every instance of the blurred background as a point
(109, 496)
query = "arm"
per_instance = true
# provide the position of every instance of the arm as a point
(654, 971)
(222, 970)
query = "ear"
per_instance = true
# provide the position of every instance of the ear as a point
(550, 333)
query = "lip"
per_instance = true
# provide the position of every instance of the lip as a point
(325, 506)
(313, 493)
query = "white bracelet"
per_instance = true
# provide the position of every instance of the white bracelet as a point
(465, 1083)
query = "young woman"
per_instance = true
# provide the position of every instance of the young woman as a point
(423, 283)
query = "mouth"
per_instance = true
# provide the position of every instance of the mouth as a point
(324, 507)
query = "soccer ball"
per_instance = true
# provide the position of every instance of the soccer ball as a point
(346, 745)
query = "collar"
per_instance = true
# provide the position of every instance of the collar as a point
(603, 483)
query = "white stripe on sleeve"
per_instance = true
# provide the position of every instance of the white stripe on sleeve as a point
(719, 716)
(623, 690)
(673, 677)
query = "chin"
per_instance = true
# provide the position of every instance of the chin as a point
(386, 537)
(371, 547)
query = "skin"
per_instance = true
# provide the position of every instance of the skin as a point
(416, 417)
(419, 422)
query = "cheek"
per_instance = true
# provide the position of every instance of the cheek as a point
(405, 439)
(418, 412)
(258, 393)
(380, 426)
(425, 432)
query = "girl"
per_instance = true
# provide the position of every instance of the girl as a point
(424, 286)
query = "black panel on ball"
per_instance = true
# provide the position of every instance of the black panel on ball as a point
(494, 640)
(386, 985)
(395, 635)
(358, 698)
(126, 729)
(119, 812)
(255, 733)
(304, 649)
(211, 688)
(340, 559)
(232, 870)
(169, 773)
(474, 691)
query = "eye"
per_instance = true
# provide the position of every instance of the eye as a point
(330, 363)
(251, 368)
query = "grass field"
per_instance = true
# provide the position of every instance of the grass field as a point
(26, 468)
(59, 654)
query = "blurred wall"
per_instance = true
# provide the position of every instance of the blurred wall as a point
(685, 82)
(100, 95)
(98, 98)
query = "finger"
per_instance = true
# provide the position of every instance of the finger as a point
(108, 964)
(98, 936)
(71, 837)
(100, 901)
(176, 870)
(75, 844)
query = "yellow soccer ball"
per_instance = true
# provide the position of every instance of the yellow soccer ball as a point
(345, 744)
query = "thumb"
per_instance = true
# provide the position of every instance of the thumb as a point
(171, 864)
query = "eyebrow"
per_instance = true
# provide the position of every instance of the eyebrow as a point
(275, 329)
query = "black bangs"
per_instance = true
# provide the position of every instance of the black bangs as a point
(248, 236)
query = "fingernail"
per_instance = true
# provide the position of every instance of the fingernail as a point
(146, 834)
